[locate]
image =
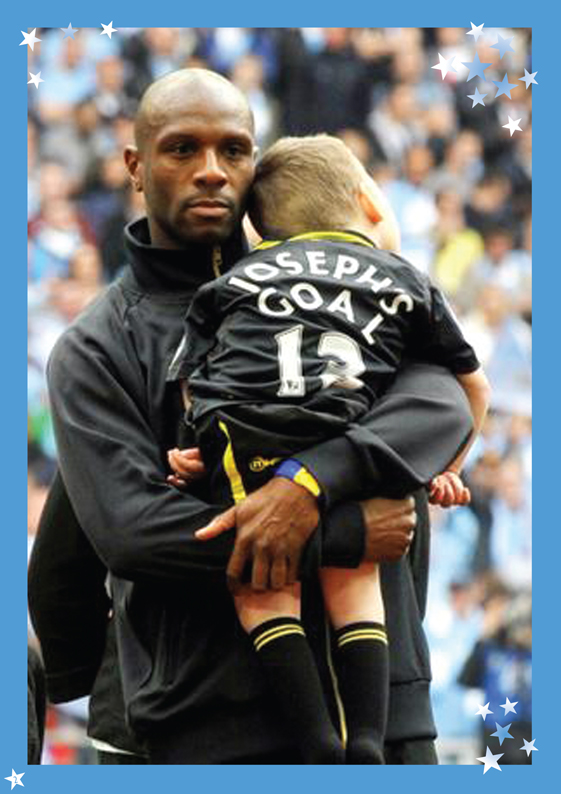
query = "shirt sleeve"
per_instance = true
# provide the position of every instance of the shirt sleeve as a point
(437, 337)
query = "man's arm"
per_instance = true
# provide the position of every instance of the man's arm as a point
(412, 433)
(114, 472)
(115, 476)
(68, 603)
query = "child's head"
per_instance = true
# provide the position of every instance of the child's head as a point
(315, 183)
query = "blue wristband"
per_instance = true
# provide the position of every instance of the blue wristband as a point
(293, 470)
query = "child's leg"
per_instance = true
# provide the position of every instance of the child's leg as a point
(354, 603)
(272, 620)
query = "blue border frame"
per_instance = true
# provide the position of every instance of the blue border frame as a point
(13, 726)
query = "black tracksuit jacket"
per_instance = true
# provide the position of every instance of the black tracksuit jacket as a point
(187, 666)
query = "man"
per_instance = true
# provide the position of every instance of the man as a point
(193, 691)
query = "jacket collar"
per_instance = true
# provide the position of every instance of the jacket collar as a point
(175, 271)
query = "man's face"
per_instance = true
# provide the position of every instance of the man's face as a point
(195, 170)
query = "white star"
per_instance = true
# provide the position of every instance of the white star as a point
(508, 706)
(528, 78)
(29, 38)
(476, 32)
(445, 65)
(35, 79)
(477, 98)
(529, 746)
(491, 761)
(484, 710)
(15, 779)
(109, 29)
(69, 31)
(512, 126)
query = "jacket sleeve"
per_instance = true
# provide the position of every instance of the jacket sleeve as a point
(114, 471)
(408, 436)
(68, 603)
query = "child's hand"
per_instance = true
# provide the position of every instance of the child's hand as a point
(186, 464)
(447, 490)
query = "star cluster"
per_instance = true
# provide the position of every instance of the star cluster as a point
(490, 759)
(31, 39)
(477, 70)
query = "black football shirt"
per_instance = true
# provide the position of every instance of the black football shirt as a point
(322, 315)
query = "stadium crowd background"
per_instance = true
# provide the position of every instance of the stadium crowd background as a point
(461, 186)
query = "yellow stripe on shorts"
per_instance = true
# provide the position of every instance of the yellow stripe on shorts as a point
(230, 468)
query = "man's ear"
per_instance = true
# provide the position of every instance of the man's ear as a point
(370, 206)
(134, 167)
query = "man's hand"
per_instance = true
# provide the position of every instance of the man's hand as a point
(448, 490)
(273, 525)
(389, 528)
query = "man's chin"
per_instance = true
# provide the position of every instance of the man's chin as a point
(207, 233)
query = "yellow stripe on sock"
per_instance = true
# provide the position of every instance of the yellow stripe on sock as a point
(274, 634)
(274, 629)
(363, 634)
(229, 464)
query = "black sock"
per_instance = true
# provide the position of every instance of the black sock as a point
(362, 665)
(293, 677)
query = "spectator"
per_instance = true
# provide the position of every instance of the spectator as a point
(511, 527)
(71, 80)
(396, 123)
(509, 269)
(457, 246)
(414, 207)
(249, 76)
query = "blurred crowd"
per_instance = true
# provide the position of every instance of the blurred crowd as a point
(460, 184)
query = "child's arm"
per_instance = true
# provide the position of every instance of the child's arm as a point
(447, 488)
(478, 390)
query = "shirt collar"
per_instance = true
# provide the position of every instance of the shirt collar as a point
(332, 236)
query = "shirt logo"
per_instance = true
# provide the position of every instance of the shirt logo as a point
(258, 463)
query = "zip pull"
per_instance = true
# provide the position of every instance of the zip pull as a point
(217, 261)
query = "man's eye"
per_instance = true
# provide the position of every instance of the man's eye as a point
(182, 148)
(235, 150)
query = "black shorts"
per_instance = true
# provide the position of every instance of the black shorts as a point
(242, 446)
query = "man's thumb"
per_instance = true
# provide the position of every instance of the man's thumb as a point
(222, 523)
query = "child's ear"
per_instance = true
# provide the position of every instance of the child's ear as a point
(369, 206)
(385, 231)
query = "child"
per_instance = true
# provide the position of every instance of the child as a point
(292, 346)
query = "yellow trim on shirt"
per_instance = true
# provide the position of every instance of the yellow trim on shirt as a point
(343, 237)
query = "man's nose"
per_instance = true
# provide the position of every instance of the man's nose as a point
(210, 171)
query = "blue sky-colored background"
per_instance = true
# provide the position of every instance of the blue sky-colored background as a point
(545, 19)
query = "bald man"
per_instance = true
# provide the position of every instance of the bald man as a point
(193, 690)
